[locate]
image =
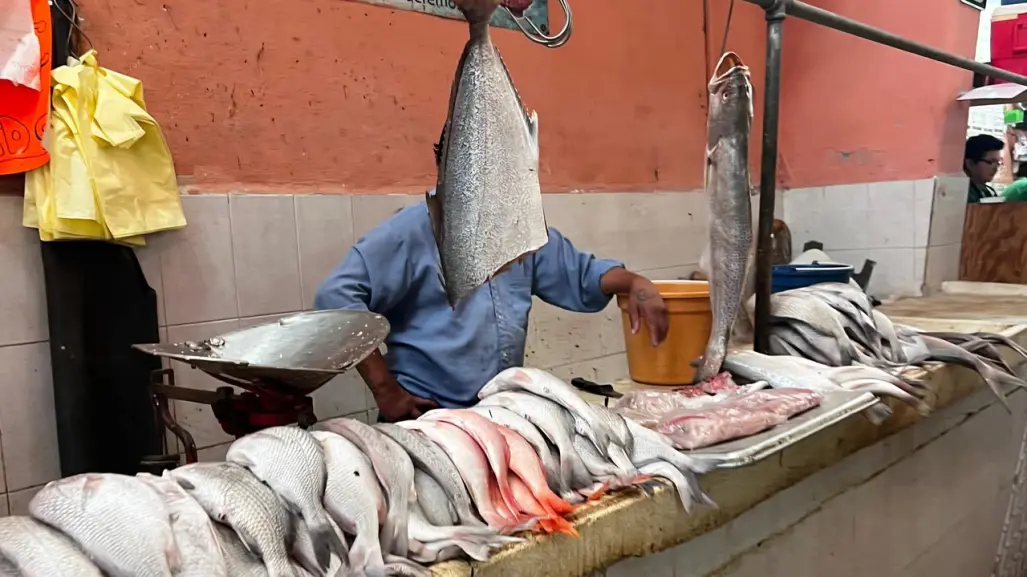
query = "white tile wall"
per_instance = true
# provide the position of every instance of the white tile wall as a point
(898, 224)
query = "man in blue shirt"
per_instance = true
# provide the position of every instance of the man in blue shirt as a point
(440, 356)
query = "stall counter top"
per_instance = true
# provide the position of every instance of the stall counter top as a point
(629, 523)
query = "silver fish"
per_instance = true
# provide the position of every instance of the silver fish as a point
(36, 550)
(791, 372)
(727, 188)
(547, 386)
(119, 521)
(433, 500)
(354, 499)
(395, 471)
(434, 461)
(289, 461)
(995, 379)
(486, 210)
(231, 494)
(239, 560)
(193, 529)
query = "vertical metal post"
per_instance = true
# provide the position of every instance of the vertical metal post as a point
(768, 173)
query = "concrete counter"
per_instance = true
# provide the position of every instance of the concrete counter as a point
(854, 499)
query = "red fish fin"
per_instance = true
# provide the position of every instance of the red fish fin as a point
(598, 493)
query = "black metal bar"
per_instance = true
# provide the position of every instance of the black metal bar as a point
(768, 175)
(856, 28)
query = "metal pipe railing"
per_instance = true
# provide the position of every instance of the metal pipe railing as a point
(776, 11)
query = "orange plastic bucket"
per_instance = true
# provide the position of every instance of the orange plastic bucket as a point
(688, 310)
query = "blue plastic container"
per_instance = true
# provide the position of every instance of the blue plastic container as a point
(792, 276)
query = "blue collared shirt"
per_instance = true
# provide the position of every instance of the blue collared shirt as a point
(434, 351)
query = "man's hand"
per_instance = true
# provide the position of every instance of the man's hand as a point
(645, 303)
(396, 404)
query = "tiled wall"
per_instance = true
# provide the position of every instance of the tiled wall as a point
(913, 229)
(246, 259)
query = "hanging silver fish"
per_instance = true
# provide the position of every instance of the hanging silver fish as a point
(728, 191)
(486, 210)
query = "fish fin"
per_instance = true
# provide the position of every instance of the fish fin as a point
(878, 413)
(599, 492)
(533, 131)
(442, 147)
(172, 554)
(526, 525)
(558, 525)
(185, 484)
(365, 557)
(621, 459)
(325, 541)
(437, 147)
(556, 504)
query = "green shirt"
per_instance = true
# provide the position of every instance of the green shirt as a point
(977, 192)
(1016, 192)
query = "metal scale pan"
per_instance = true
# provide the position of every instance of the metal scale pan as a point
(296, 355)
(278, 364)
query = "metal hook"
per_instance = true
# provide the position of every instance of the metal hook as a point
(537, 36)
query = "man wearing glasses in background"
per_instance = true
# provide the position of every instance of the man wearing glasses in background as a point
(981, 160)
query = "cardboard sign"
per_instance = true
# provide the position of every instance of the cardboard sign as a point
(537, 13)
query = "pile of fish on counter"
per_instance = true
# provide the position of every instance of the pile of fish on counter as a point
(829, 336)
(350, 498)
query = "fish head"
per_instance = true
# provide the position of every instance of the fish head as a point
(731, 95)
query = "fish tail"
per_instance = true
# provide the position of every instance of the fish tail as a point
(511, 528)
(878, 413)
(365, 558)
(325, 541)
(598, 492)
(555, 503)
(621, 459)
(559, 525)
(394, 537)
(693, 485)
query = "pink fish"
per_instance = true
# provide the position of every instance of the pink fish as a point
(525, 463)
(472, 464)
(489, 438)
(549, 521)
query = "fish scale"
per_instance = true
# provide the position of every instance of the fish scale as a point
(486, 209)
(232, 495)
(730, 210)
(39, 551)
(120, 521)
(290, 461)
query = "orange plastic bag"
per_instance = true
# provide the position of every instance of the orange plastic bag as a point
(24, 111)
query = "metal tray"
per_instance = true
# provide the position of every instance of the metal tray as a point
(742, 452)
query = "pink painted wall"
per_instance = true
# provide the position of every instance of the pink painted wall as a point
(336, 96)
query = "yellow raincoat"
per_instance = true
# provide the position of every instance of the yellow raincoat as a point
(110, 174)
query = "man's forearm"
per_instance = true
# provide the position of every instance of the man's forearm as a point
(617, 280)
(375, 372)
